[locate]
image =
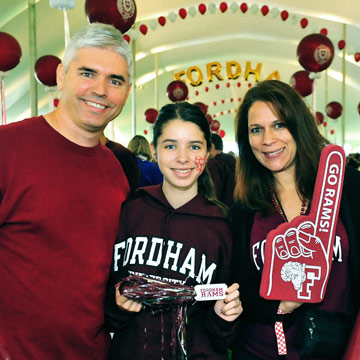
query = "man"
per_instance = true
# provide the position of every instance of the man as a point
(221, 167)
(60, 197)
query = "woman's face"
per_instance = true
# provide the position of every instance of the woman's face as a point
(181, 155)
(270, 140)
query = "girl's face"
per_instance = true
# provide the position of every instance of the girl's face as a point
(270, 140)
(181, 154)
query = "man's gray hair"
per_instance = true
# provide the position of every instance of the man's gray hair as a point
(102, 36)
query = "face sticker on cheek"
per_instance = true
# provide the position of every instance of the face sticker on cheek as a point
(200, 162)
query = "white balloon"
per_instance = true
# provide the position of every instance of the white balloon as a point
(172, 17)
(134, 34)
(192, 11)
(294, 19)
(274, 12)
(350, 50)
(153, 24)
(234, 7)
(254, 8)
(212, 8)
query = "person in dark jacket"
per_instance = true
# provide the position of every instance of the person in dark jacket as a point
(127, 160)
(176, 232)
(279, 151)
(221, 167)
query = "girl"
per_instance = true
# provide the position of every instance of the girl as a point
(178, 232)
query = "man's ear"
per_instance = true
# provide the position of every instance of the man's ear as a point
(60, 76)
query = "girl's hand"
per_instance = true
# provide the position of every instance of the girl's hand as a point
(125, 303)
(230, 308)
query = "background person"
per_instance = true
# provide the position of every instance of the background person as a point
(279, 151)
(221, 167)
(150, 173)
(60, 197)
(176, 231)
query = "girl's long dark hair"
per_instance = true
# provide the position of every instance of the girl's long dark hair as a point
(253, 180)
(191, 113)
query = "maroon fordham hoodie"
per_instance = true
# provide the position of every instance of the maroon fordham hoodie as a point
(192, 242)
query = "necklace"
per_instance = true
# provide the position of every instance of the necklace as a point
(277, 205)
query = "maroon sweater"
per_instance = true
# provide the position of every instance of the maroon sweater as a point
(59, 211)
(192, 242)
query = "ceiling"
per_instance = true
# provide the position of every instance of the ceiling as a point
(196, 41)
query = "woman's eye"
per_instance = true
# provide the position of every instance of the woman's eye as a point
(255, 130)
(280, 125)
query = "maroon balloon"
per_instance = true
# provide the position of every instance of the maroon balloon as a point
(315, 52)
(177, 91)
(209, 118)
(10, 52)
(151, 115)
(359, 108)
(202, 106)
(333, 109)
(319, 117)
(119, 13)
(215, 125)
(301, 82)
(45, 69)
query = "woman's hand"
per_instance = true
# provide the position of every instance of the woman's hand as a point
(289, 306)
(230, 308)
(126, 304)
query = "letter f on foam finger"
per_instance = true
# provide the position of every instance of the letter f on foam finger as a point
(298, 255)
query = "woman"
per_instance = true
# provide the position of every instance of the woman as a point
(150, 173)
(178, 232)
(279, 150)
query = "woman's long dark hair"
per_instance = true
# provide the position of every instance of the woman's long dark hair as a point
(253, 180)
(191, 113)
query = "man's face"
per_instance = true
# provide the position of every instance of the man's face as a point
(94, 88)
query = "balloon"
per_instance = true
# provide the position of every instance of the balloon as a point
(341, 44)
(177, 91)
(315, 52)
(244, 7)
(304, 23)
(202, 106)
(319, 117)
(274, 12)
(359, 108)
(264, 10)
(143, 29)
(119, 13)
(172, 16)
(212, 8)
(221, 133)
(357, 56)
(254, 8)
(209, 118)
(223, 7)
(45, 69)
(151, 115)
(56, 103)
(162, 20)
(192, 11)
(126, 37)
(215, 125)
(10, 52)
(202, 9)
(234, 7)
(153, 24)
(333, 109)
(332, 132)
(301, 82)
(284, 15)
(324, 31)
(182, 13)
